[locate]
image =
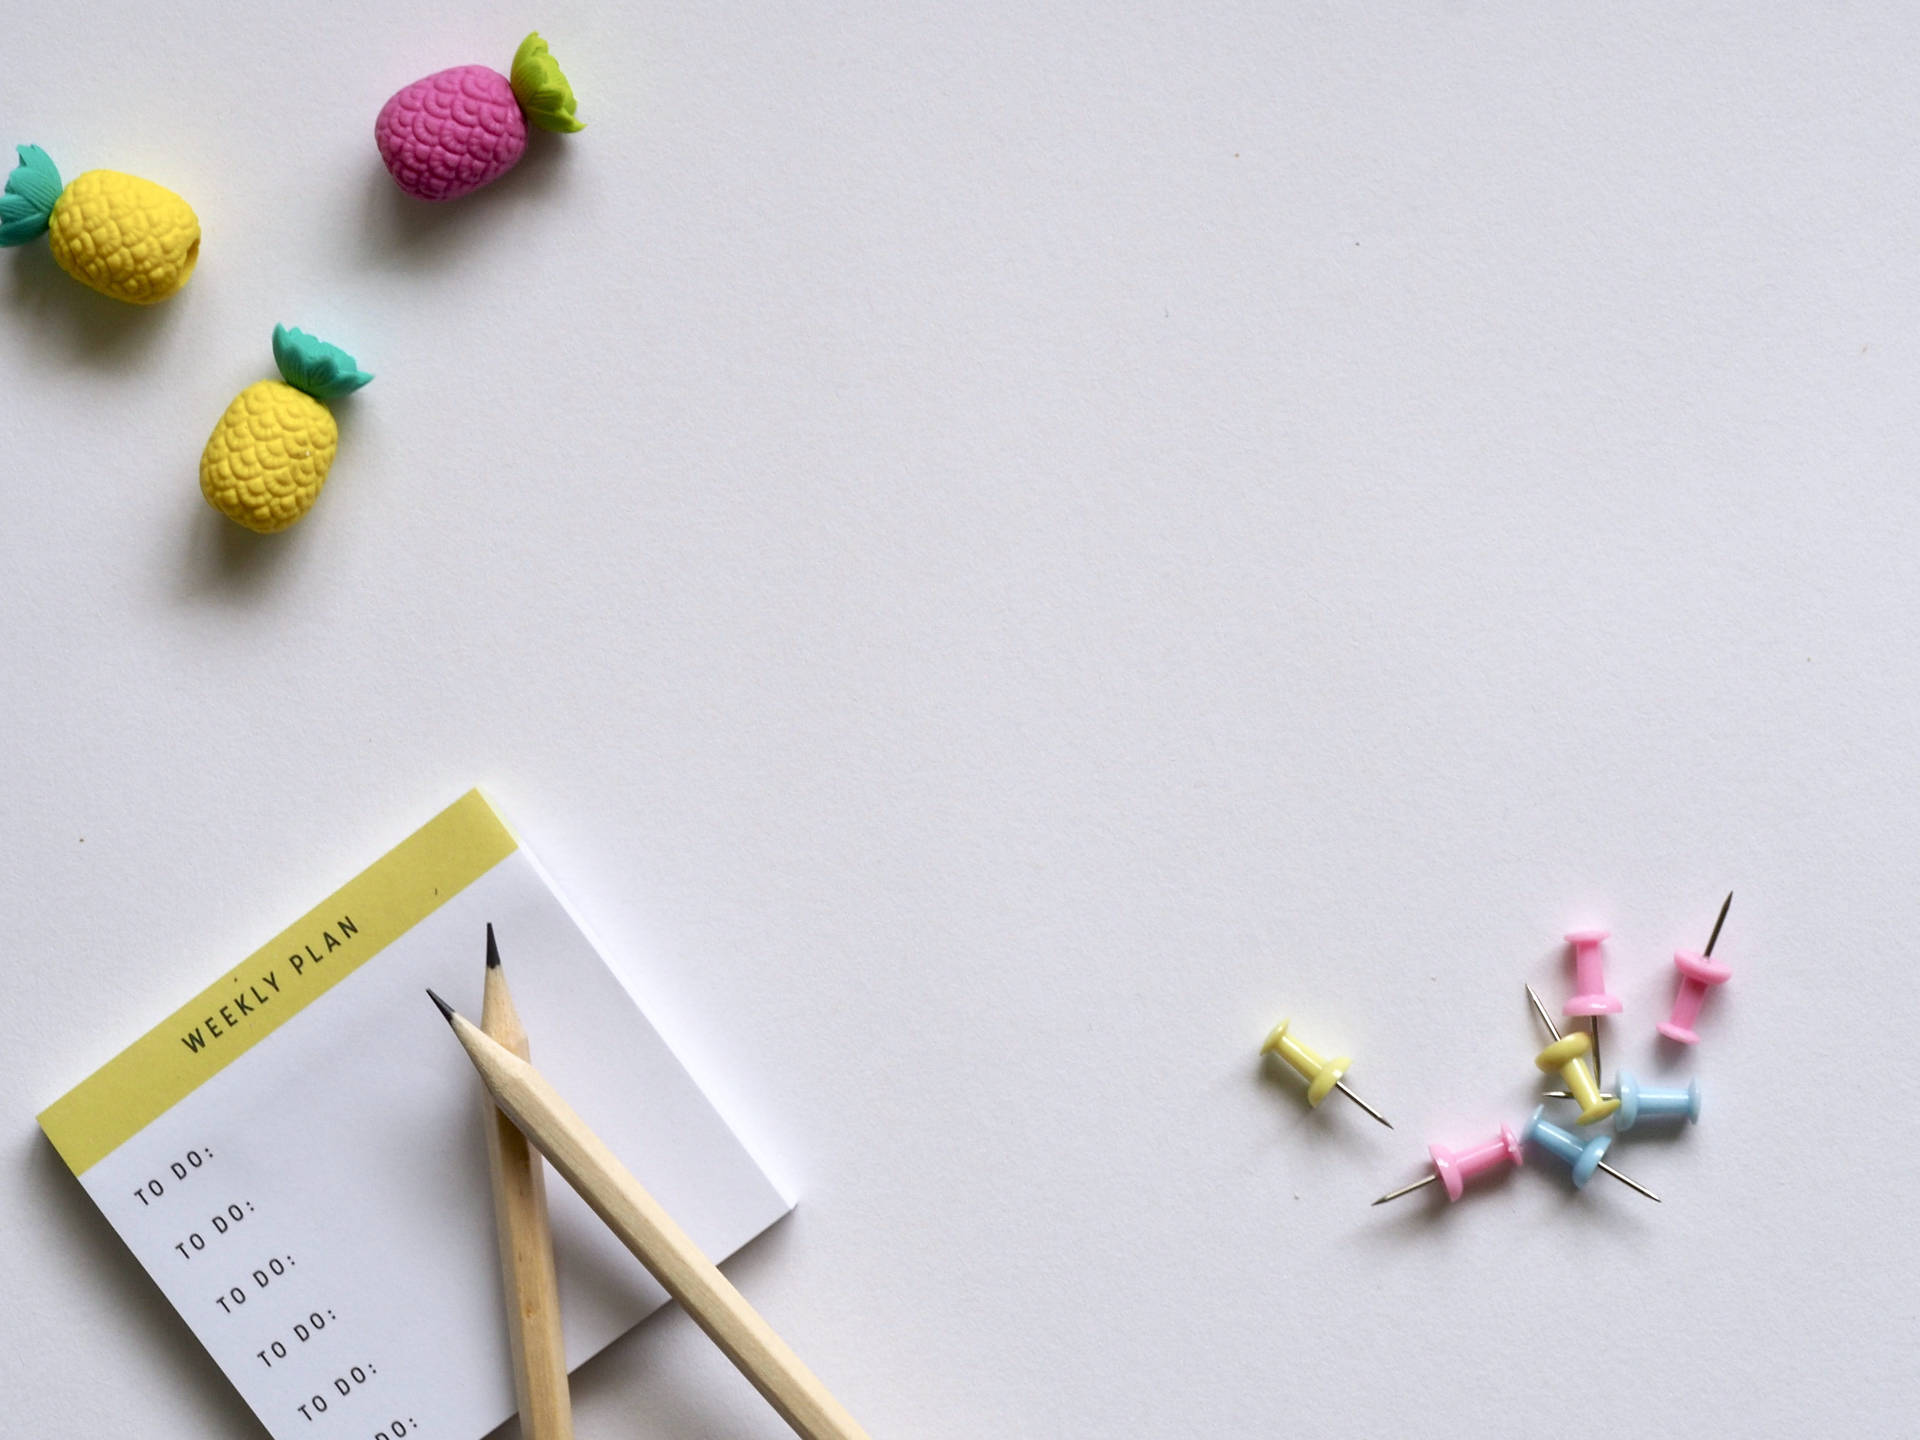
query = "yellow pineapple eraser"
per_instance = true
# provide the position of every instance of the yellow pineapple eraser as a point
(124, 236)
(269, 455)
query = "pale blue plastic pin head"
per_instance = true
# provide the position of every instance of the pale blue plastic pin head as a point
(1638, 1102)
(1582, 1157)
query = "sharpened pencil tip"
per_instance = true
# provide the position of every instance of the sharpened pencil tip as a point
(493, 951)
(445, 1009)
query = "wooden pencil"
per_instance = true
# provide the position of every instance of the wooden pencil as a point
(526, 1241)
(661, 1245)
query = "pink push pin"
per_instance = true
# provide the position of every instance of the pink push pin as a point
(1698, 974)
(1590, 982)
(1453, 1168)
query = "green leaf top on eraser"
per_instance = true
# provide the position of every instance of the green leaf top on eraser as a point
(28, 202)
(324, 371)
(543, 92)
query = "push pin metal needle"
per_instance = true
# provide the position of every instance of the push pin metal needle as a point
(1582, 1156)
(1698, 974)
(1568, 1055)
(1453, 1168)
(1323, 1076)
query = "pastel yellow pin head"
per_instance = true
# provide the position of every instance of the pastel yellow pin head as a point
(121, 235)
(1320, 1073)
(1568, 1055)
(269, 455)
(1323, 1075)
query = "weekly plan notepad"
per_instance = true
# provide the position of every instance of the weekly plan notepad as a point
(296, 1155)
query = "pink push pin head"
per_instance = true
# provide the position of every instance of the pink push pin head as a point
(1455, 1168)
(1590, 979)
(1698, 975)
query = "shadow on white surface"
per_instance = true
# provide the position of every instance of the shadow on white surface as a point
(1416, 1217)
(402, 232)
(1324, 1126)
(229, 561)
(76, 1228)
(70, 319)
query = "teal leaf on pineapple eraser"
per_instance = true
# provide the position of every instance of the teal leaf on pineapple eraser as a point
(324, 371)
(28, 202)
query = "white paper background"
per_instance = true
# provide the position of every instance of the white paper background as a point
(1002, 548)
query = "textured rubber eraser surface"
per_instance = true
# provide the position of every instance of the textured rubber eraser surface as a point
(451, 133)
(268, 457)
(124, 236)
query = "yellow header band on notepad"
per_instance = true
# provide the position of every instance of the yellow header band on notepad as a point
(277, 981)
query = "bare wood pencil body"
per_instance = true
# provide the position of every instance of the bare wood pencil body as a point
(526, 1241)
(661, 1245)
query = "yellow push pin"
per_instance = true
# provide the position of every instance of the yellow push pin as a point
(1323, 1076)
(1568, 1055)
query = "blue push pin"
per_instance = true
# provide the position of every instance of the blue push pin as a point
(1584, 1157)
(1638, 1102)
